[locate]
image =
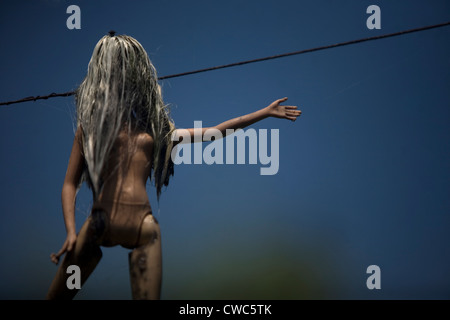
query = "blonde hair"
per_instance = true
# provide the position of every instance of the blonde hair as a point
(120, 91)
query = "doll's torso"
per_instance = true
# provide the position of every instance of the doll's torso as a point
(128, 169)
(123, 203)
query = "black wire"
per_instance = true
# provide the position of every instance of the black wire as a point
(51, 95)
(340, 44)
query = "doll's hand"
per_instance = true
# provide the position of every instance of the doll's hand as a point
(68, 245)
(284, 112)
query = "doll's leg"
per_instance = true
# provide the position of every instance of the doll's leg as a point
(146, 262)
(85, 255)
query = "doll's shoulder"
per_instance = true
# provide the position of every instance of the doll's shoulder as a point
(145, 141)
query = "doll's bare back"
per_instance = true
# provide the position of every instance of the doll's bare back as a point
(123, 204)
(128, 168)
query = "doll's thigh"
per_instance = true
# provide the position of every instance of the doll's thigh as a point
(87, 252)
(85, 255)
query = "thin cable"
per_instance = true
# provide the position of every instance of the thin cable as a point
(51, 95)
(341, 44)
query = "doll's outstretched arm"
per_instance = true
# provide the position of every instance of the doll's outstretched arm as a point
(73, 175)
(275, 109)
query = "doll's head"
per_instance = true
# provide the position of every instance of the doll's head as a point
(121, 92)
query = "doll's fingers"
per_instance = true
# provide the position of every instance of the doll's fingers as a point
(54, 258)
(293, 113)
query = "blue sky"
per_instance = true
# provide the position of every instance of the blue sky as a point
(364, 174)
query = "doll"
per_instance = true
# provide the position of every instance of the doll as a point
(124, 136)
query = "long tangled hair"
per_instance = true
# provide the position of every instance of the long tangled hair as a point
(121, 92)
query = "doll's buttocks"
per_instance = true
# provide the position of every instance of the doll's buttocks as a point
(123, 221)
